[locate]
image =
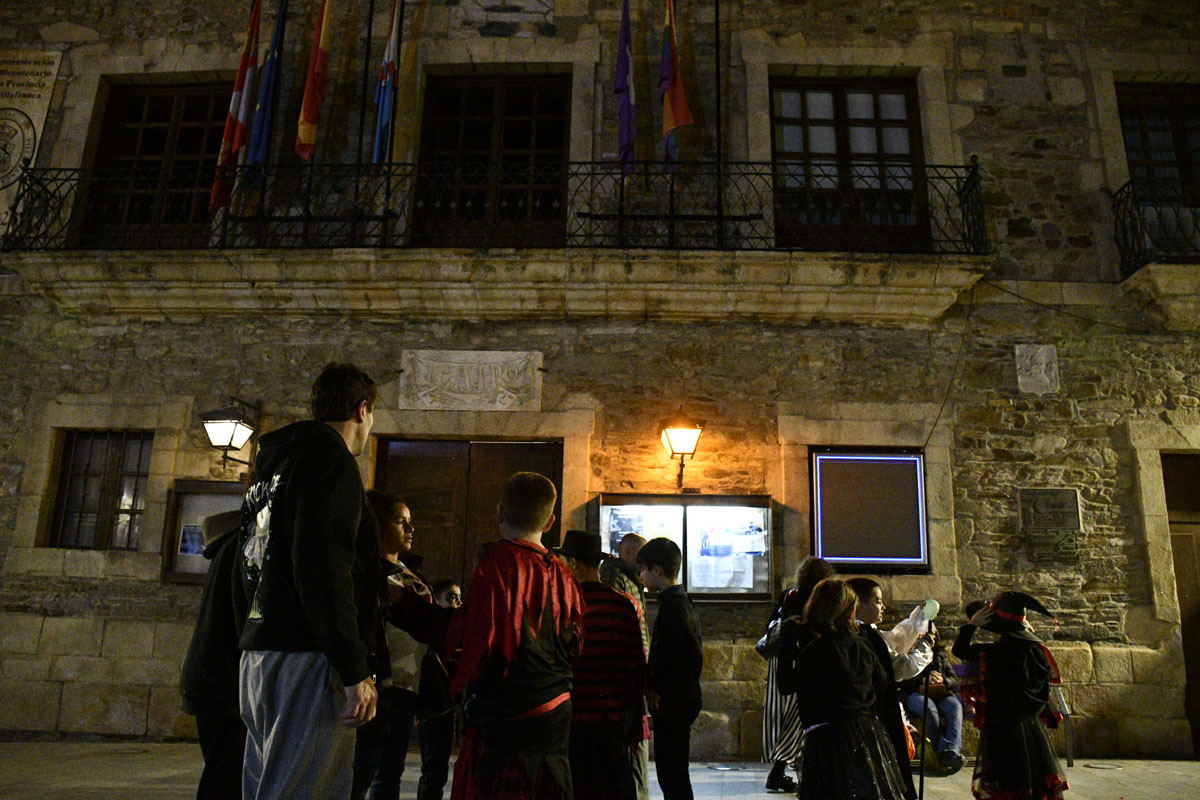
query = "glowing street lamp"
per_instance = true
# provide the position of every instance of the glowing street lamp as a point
(679, 435)
(228, 429)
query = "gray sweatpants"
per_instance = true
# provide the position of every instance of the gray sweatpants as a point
(295, 746)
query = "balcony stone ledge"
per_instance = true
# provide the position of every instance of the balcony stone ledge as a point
(1172, 290)
(670, 286)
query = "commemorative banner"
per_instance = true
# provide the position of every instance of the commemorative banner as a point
(26, 84)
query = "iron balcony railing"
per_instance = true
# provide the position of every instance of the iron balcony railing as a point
(801, 204)
(1157, 220)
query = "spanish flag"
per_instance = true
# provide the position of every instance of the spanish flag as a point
(670, 81)
(241, 109)
(314, 86)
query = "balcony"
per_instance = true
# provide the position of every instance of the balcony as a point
(772, 244)
(795, 206)
(1157, 221)
(1158, 236)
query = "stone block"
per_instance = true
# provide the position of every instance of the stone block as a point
(131, 638)
(68, 32)
(171, 640)
(1154, 737)
(970, 90)
(732, 695)
(1095, 737)
(1074, 660)
(719, 658)
(19, 633)
(146, 671)
(1111, 664)
(29, 705)
(1157, 667)
(26, 668)
(1113, 699)
(1065, 91)
(79, 636)
(103, 708)
(750, 730)
(714, 735)
(84, 563)
(84, 669)
(748, 665)
(35, 560)
(165, 717)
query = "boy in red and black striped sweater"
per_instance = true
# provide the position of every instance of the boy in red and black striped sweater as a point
(609, 678)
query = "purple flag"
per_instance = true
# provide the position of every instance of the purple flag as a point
(625, 94)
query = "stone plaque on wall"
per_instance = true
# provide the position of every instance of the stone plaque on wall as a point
(1037, 368)
(1050, 521)
(471, 380)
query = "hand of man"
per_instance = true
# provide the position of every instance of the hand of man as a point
(360, 704)
(935, 678)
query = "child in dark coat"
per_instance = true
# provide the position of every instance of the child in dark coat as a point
(673, 671)
(1015, 673)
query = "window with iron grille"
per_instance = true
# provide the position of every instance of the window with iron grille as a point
(1161, 127)
(1160, 124)
(849, 166)
(493, 162)
(101, 496)
(154, 166)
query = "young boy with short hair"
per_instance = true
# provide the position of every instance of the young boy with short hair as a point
(673, 672)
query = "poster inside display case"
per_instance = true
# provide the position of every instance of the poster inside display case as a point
(725, 540)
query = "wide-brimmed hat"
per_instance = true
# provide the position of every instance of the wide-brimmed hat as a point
(581, 544)
(1008, 615)
(214, 526)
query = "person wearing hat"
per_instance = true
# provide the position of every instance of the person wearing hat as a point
(209, 679)
(1015, 758)
(609, 681)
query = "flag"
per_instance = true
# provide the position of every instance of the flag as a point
(670, 81)
(237, 121)
(268, 94)
(385, 92)
(314, 85)
(627, 130)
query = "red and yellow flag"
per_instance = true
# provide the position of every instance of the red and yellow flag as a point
(241, 108)
(314, 86)
(670, 83)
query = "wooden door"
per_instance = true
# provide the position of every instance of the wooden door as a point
(452, 489)
(1181, 479)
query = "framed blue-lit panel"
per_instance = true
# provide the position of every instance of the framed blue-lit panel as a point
(869, 509)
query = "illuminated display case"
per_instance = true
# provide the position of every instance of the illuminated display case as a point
(725, 539)
(868, 509)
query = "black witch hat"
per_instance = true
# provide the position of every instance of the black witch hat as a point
(1008, 615)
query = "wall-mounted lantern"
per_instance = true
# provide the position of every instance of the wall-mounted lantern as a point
(229, 429)
(679, 436)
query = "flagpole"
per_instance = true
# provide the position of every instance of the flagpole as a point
(396, 83)
(720, 142)
(366, 82)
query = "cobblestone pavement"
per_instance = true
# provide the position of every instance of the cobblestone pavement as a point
(143, 771)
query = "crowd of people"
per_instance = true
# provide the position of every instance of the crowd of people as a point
(838, 690)
(320, 646)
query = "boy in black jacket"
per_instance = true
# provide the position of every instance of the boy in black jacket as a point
(673, 671)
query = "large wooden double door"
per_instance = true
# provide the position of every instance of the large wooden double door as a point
(452, 489)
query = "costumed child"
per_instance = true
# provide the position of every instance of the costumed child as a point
(837, 676)
(1015, 761)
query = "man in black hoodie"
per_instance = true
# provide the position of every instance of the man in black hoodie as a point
(308, 564)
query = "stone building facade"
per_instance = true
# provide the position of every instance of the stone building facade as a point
(779, 349)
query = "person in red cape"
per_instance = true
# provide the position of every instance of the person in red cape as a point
(1015, 760)
(519, 630)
